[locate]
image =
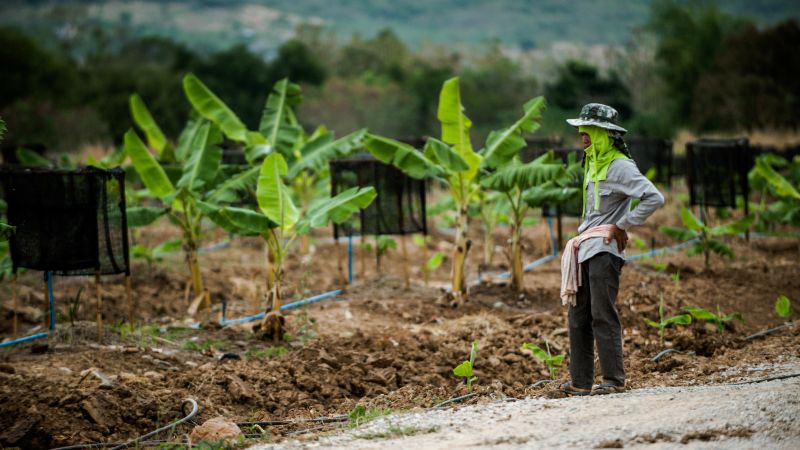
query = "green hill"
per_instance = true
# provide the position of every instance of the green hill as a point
(264, 24)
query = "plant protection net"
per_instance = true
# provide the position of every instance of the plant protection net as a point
(652, 154)
(716, 171)
(70, 222)
(399, 207)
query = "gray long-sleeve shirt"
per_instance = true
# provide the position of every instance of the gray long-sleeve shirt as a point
(623, 183)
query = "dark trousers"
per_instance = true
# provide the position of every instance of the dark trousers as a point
(595, 318)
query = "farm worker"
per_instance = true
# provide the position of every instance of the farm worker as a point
(593, 260)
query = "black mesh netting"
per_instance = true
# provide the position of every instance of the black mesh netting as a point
(71, 222)
(399, 207)
(652, 153)
(716, 171)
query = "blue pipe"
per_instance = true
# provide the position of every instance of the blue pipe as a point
(49, 276)
(530, 266)
(23, 339)
(350, 259)
(662, 251)
(285, 307)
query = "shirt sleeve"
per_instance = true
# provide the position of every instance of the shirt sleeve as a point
(635, 185)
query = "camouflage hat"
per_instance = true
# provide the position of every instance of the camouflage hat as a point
(599, 115)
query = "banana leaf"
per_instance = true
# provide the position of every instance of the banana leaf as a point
(273, 196)
(204, 160)
(524, 176)
(503, 145)
(139, 216)
(322, 148)
(240, 221)
(442, 154)
(231, 189)
(276, 121)
(144, 120)
(455, 127)
(212, 108)
(337, 209)
(403, 156)
(151, 173)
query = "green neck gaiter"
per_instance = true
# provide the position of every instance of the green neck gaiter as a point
(599, 156)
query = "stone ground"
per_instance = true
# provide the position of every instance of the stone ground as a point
(740, 416)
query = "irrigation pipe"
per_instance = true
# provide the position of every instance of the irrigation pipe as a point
(541, 383)
(530, 266)
(763, 380)
(293, 305)
(191, 414)
(48, 276)
(663, 353)
(766, 332)
(454, 400)
(661, 251)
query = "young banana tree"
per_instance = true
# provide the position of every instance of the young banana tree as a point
(306, 156)
(453, 161)
(279, 222)
(525, 186)
(705, 235)
(199, 159)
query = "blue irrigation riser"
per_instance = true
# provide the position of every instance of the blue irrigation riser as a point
(49, 277)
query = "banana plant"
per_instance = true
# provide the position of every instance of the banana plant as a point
(199, 159)
(525, 186)
(279, 222)
(776, 178)
(453, 161)
(307, 156)
(705, 243)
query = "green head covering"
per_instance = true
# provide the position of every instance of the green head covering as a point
(599, 156)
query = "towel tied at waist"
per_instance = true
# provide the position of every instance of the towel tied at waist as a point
(571, 268)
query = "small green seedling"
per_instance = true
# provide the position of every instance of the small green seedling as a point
(676, 277)
(783, 307)
(683, 319)
(717, 319)
(360, 415)
(433, 262)
(465, 369)
(552, 362)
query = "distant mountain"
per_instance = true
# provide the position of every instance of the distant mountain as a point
(264, 24)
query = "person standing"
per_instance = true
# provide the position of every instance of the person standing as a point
(592, 261)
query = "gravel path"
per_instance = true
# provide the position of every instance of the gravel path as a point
(755, 415)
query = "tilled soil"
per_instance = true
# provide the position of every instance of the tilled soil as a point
(379, 344)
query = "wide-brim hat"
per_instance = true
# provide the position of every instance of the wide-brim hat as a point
(598, 115)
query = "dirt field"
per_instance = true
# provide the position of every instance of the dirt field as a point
(379, 344)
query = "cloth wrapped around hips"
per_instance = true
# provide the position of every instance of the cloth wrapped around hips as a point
(571, 268)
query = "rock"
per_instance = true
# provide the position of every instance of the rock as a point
(65, 370)
(215, 430)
